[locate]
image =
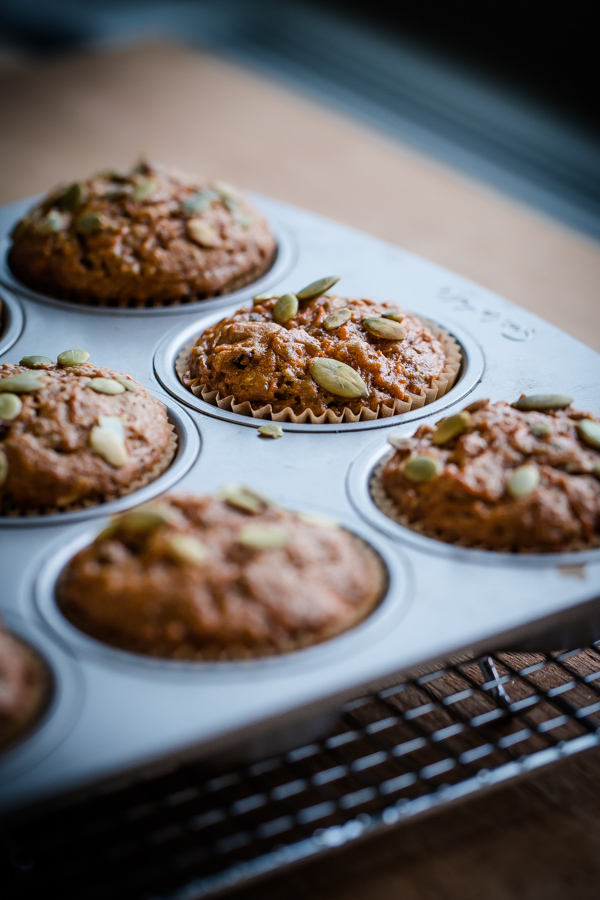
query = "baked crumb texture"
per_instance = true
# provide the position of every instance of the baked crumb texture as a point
(25, 687)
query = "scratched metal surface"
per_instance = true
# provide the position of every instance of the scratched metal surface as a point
(135, 712)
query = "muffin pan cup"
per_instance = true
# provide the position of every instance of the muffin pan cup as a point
(138, 713)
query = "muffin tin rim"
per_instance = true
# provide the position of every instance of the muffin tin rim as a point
(16, 320)
(171, 345)
(189, 447)
(358, 479)
(393, 606)
(285, 258)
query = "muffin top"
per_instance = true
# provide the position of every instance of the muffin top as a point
(521, 477)
(219, 578)
(325, 353)
(75, 434)
(148, 237)
(24, 685)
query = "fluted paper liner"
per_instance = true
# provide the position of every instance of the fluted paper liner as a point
(440, 386)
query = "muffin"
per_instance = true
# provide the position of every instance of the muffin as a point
(148, 237)
(228, 577)
(499, 477)
(24, 688)
(313, 357)
(74, 434)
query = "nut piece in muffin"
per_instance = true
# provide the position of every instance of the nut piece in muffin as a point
(226, 577)
(74, 434)
(24, 688)
(514, 478)
(317, 357)
(148, 237)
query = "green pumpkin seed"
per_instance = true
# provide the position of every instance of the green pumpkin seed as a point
(336, 318)
(144, 190)
(36, 362)
(128, 384)
(318, 520)
(105, 386)
(243, 498)
(89, 223)
(589, 431)
(397, 442)
(541, 429)
(268, 295)
(451, 427)
(271, 430)
(23, 382)
(72, 357)
(337, 378)
(226, 191)
(53, 223)
(394, 314)
(73, 197)
(10, 407)
(523, 481)
(384, 328)
(3, 468)
(109, 446)
(243, 220)
(198, 202)
(316, 288)
(263, 537)
(187, 549)
(114, 424)
(422, 468)
(202, 233)
(542, 402)
(144, 518)
(285, 308)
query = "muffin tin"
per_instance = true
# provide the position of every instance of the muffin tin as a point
(138, 713)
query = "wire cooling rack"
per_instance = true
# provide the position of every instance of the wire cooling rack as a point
(410, 747)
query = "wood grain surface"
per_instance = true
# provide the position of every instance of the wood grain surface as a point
(64, 118)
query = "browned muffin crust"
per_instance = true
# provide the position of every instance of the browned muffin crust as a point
(24, 688)
(475, 501)
(251, 357)
(146, 237)
(48, 458)
(266, 582)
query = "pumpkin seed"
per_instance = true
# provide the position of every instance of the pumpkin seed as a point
(271, 430)
(144, 190)
(3, 468)
(384, 328)
(144, 518)
(202, 233)
(127, 383)
(91, 222)
(36, 362)
(523, 481)
(263, 537)
(110, 447)
(589, 431)
(422, 468)
(10, 407)
(243, 220)
(316, 288)
(397, 442)
(451, 427)
(541, 429)
(53, 223)
(105, 386)
(542, 402)
(198, 202)
(336, 318)
(23, 382)
(318, 520)
(394, 314)
(72, 357)
(243, 498)
(187, 549)
(285, 308)
(114, 424)
(337, 378)
(268, 295)
(225, 190)
(73, 197)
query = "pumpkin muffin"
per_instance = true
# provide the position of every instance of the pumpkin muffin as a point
(320, 358)
(24, 688)
(148, 237)
(75, 434)
(228, 577)
(514, 478)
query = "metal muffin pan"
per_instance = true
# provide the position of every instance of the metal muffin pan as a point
(140, 713)
(11, 320)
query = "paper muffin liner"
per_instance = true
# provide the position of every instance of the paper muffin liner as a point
(387, 506)
(440, 386)
(142, 481)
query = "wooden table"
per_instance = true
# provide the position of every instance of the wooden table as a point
(68, 117)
